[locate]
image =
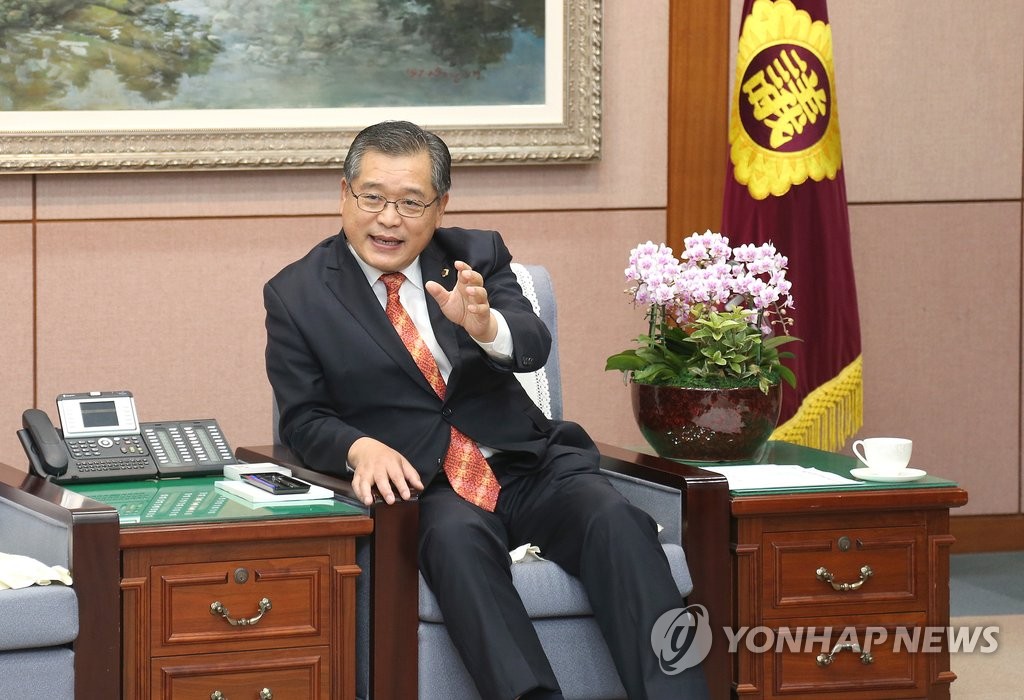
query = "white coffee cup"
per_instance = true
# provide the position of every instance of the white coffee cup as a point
(884, 455)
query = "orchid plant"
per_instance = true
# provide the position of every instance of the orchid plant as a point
(717, 315)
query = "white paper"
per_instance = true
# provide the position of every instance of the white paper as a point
(757, 477)
(254, 495)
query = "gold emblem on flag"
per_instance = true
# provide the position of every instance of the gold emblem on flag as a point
(784, 126)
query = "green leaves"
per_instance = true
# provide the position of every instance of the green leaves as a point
(726, 343)
(659, 360)
(721, 348)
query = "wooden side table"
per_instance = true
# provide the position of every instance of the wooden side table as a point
(222, 600)
(815, 573)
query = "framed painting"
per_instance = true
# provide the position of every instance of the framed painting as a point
(128, 85)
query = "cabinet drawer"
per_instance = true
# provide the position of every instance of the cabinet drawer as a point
(881, 667)
(848, 570)
(241, 604)
(288, 674)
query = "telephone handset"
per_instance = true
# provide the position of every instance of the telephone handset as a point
(103, 440)
(49, 453)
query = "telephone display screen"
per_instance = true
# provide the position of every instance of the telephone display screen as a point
(99, 414)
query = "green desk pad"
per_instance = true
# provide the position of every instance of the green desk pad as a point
(777, 452)
(194, 500)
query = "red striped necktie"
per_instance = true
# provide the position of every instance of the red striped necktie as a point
(464, 465)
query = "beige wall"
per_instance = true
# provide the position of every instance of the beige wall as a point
(932, 142)
(152, 282)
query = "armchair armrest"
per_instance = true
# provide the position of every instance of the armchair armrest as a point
(394, 577)
(705, 535)
(95, 561)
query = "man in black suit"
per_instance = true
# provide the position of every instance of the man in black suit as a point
(359, 394)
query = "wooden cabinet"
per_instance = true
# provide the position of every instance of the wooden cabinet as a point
(255, 609)
(832, 587)
(264, 675)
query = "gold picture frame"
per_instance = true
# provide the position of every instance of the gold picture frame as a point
(566, 128)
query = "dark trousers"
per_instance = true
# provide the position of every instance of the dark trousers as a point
(582, 523)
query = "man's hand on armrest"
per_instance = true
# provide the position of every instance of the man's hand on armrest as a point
(377, 466)
(283, 456)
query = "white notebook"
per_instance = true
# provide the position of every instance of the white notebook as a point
(252, 494)
(754, 477)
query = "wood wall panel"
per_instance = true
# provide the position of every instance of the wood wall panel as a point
(16, 340)
(930, 125)
(15, 198)
(942, 362)
(187, 195)
(698, 117)
(171, 310)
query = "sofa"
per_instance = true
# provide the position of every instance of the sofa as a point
(59, 641)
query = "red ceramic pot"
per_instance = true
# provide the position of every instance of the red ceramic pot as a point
(706, 425)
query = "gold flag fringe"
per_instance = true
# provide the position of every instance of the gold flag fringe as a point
(830, 414)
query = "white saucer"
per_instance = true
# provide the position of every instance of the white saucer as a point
(865, 474)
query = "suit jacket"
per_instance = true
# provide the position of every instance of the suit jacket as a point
(340, 371)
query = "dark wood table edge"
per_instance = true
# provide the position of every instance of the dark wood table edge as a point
(839, 500)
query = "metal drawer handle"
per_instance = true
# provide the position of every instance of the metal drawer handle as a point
(826, 659)
(826, 576)
(265, 694)
(217, 608)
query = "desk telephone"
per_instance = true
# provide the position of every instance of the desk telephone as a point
(102, 440)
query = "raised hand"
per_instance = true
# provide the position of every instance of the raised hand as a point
(466, 305)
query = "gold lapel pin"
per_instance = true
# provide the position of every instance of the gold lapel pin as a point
(444, 271)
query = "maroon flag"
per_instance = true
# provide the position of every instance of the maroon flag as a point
(785, 185)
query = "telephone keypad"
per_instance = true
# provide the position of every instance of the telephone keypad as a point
(115, 464)
(84, 448)
(106, 454)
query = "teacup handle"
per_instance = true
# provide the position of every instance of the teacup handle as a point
(859, 452)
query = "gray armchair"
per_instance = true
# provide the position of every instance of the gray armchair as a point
(399, 619)
(58, 641)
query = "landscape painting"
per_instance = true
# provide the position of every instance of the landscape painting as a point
(115, 84)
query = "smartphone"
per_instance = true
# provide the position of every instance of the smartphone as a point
(276, 483)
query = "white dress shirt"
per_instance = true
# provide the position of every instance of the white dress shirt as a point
(414, 300)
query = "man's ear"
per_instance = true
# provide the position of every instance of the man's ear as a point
(343, 194)
(440, 208)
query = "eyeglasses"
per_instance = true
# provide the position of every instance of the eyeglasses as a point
(376, 203)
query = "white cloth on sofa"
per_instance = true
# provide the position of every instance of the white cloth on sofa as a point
(17, 571)
(527, 552)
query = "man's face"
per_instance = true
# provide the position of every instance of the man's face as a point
(386, 240)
